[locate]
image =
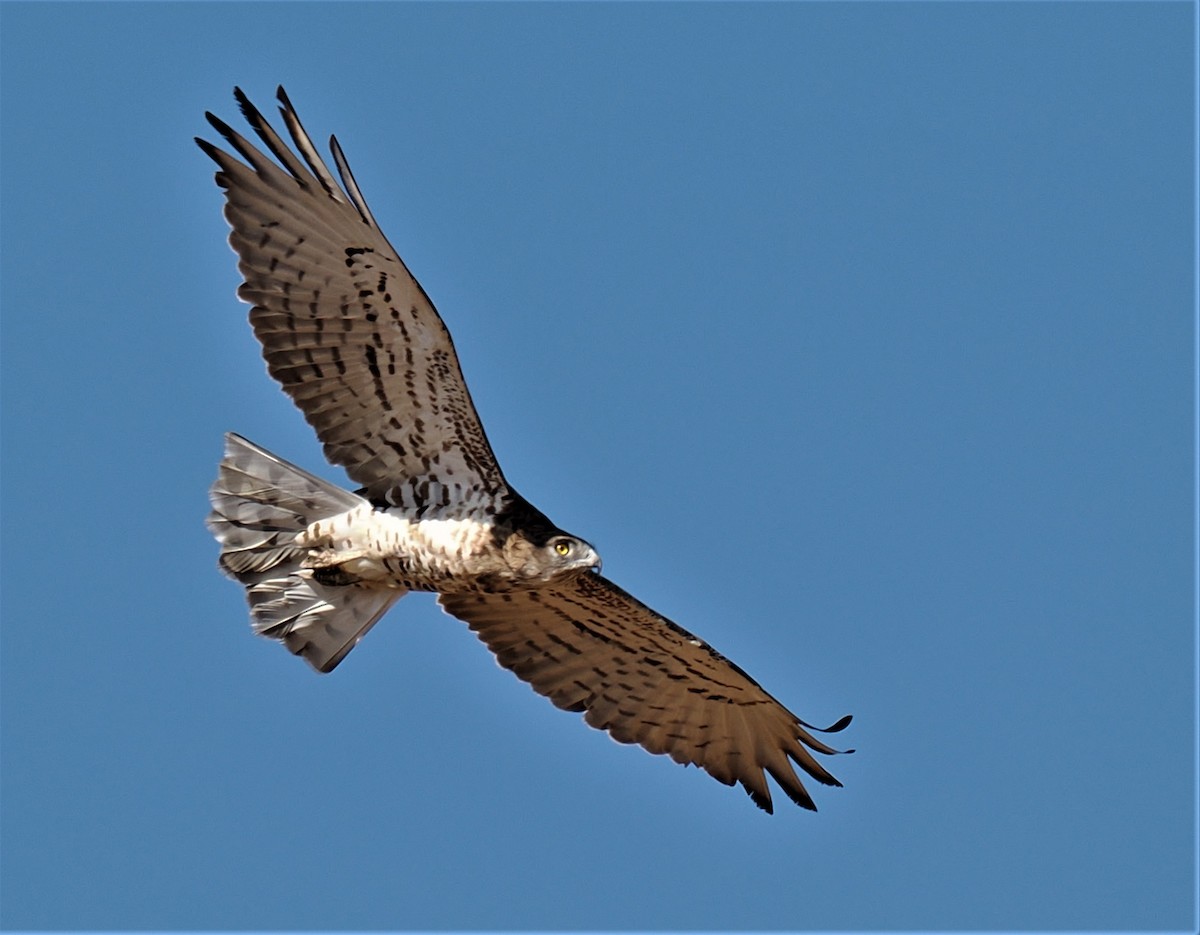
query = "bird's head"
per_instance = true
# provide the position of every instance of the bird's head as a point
(535, 549)
(539, 559)
(564, 552)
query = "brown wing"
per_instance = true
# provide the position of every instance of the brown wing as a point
(589, 646)
(344, 326)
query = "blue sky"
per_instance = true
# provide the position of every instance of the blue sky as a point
(858, 338)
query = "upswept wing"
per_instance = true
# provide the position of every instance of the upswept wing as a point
(345, 328)
(589, 646)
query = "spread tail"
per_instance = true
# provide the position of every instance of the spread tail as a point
(261, 503)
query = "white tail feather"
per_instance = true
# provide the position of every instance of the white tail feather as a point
(261, 503)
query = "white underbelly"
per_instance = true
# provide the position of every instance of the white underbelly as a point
(391, 549)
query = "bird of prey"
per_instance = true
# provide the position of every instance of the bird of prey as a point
(356, 343)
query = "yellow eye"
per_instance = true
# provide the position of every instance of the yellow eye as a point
(562, 548)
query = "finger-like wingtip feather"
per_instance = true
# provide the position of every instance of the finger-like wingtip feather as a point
(761, 798)
(348, 182)
(840, 724)
(304, 145)
(208, 148)
(219, 125)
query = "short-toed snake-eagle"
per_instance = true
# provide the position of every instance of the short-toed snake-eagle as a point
(358, 346)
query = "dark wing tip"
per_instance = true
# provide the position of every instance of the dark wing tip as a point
(804, 801)
(249, 111)
(209, 150)
(840, 724)
(219, 125)
(793, 787)
(762, 801)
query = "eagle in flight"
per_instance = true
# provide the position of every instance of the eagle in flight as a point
(356, 343)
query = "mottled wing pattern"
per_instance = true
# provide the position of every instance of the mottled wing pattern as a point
(344, 326)
(589, 646)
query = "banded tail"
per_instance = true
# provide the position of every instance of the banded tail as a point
(261, 503)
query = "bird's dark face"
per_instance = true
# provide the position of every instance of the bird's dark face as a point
(534, 548)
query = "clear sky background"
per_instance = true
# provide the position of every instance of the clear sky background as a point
(859, 340)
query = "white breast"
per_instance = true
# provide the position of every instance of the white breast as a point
(434, 553)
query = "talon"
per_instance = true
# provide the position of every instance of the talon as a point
(333, 576)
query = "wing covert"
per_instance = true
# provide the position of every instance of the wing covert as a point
(589, 646)
(345, 328)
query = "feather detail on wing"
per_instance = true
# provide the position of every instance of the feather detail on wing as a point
(345, 328)
(589, 646)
